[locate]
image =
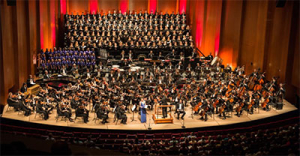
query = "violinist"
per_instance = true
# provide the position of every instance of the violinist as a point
(42, 108)
(13, 101)
(47, 104)
(180, 109)
(122, 114)
(102, 113)
(81, 111)
(25, 107)
(65, 110)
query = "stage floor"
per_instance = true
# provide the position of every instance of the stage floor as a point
(189, 120)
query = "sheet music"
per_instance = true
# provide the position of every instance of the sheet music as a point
(133, 107)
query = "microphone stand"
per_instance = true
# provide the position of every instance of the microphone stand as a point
(183, 124)
(149, 127)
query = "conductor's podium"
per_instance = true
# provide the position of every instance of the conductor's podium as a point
(158, 118)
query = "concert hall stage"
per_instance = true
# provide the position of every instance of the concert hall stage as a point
(189, 122)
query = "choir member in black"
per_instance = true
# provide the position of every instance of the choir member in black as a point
(81, 111)
(180, 109)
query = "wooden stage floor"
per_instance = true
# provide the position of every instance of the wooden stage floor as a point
(189, 122)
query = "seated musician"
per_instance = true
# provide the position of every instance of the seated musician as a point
(122, 114)
(63, 70)
(179, 66)
(40, 108)
(30, 81)
(180, 109)
(102, 113)
(24, 88)
(25, 107)
(13, 101)
(81, 111)
(48, 100)
(65, 110)
(87, 75)
(151, 54)
(47, 75)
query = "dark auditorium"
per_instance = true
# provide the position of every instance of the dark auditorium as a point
(149, 77)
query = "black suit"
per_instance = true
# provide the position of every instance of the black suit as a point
(81, 113)
(24, 108)
(122, 115)
(164, 109)
(14, 103)
(102, 114)
(47, 76)
(40, 109)
(24, 89)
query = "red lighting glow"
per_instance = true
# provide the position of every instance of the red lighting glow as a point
(123, 5)
(93, 6)
(152, 6)
(182, 6)
(63, 6)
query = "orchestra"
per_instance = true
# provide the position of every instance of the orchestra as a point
(102, 86)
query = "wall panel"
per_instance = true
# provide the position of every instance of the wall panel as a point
(23, 42)
(212, 27)
(167, 6)
(8, 48)
(278, 41)
(78, 6)
(230, 32)
(137, 5)
(253, 34)
(108, 5)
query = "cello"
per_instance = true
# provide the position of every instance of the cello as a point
(267, 100)
(196, 108)
(239, 108)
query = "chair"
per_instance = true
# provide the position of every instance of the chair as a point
(154, 58)
(117, 117)
(60, 114)
(118, 57)
(38, 112)
(9, 105)
(96, 117)
(77, 115)
(141, 58)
